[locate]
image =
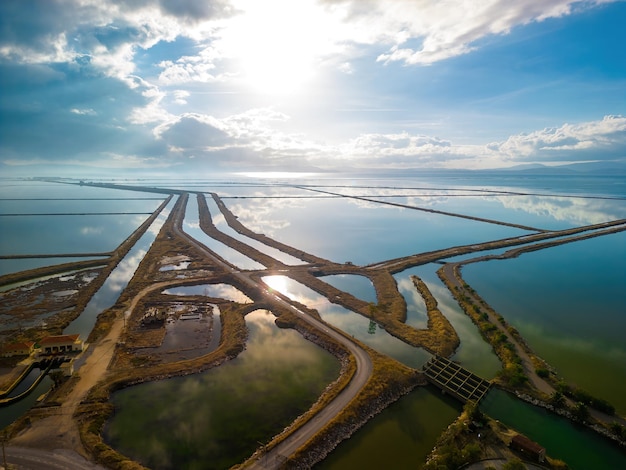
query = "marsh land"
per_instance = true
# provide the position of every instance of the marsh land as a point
(284, 324)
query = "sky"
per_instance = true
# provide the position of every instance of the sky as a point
(193, 87)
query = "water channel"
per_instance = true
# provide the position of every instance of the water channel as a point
(579, 447)
(191, 226)
(104, 298)
(410, 426)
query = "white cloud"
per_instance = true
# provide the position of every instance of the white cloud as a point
(199, 68)
(83, 111)
(449, 28)
(570, 141)
(275, 41)
(180, 96)
(593, 140)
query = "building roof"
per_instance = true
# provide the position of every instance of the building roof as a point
(16, 346)
(523, 443)
(60, 339)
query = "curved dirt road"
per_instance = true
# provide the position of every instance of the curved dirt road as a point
(54, 441)
(363, 363)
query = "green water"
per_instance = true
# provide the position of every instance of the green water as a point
(473, 353)
(569, 302)
(401, 437)
(579, 447)
(216, 419)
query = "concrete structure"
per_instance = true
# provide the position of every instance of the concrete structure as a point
(61, 344)
(25, 348)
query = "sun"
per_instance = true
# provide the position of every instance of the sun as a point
(277, 44)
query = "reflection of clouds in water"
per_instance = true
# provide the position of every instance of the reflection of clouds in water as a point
(272, 346)
(416, 307)
(219, 221)
(220, 291)
(428, 201)
(91, 230)
(158, 451)
(124, 271)
(228, 292)
(260, 215)
(261, 318)
(295, 291)
(573, 210)
(606, 352)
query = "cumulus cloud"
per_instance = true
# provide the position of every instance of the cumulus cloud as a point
(197, 68)
(444, 29)
(245, 140)
(180, 96)
(604, 139)
(104, 35)
(568, 142)
(107, 34)
(83, 111)
(400, 150)
(97, 43)
(193, 132)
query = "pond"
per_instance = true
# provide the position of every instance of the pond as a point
(216, 419)
(400, 437)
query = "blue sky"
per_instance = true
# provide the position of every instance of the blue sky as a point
(186, 86)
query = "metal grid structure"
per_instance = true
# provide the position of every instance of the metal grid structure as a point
(454, 379)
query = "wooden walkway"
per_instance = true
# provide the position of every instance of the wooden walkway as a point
(455, 380)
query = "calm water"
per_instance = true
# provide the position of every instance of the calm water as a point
(569, 302)
(352, 323)
(580, 448)
(222, 291)
(220, 222)
(473, 353)
(401, 437)
(45, 234)
(117, 281)
(191, 226)
(363, 233)
(359, 286)
(8, 266)
(10, 413)
(216, 419)
(104, 298)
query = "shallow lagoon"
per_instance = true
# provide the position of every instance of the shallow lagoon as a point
(221, 291)
(220, 223)
(401, 437)
(569, 303)
(67, 233)
(351, 323)
(216, 419)
(473, 353)
(356, 225)
(361, 232)
(117, 281)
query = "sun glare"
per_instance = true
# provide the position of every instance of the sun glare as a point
(276, 44)
(277, 283)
